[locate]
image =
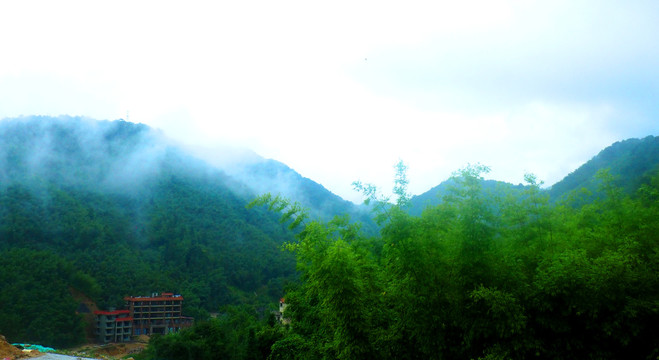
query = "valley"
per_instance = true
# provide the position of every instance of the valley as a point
(93, 212)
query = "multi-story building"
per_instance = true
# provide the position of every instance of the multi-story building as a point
(145, 315)
(157, 314)
(113, 326)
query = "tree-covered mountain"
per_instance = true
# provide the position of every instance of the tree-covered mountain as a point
(112, 208)
(271, 176)
(435, 195)
(122, 211)
(627, 161)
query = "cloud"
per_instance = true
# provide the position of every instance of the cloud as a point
(47, 94)
(341, 91)
(557, 52)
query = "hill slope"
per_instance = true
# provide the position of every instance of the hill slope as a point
(116, 210)
(434, 196)
(628, 161)
(266, 175)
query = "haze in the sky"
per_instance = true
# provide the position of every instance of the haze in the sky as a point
(341, 90)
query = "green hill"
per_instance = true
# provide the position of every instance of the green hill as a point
(122, 212)
(112, 208)
(434, 196)
(627, 161)
(271, 176)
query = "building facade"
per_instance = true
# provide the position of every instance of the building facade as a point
(157, 314)
(113, 326)
(145, 315)
(280, 314)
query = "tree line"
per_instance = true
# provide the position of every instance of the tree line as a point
(186, 235)
(486, 274)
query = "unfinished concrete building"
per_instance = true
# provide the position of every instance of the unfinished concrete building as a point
(157, 314)
(144, 315)
(113, 326)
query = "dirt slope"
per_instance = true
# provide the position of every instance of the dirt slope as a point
(8, 350)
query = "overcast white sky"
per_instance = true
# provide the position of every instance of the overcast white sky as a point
(340, 90)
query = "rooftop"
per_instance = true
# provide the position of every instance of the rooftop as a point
(155, 297)
(113, 312)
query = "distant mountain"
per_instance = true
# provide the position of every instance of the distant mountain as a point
(77, 151)
(271, 176)
(113, 208)
(628, 161)
(434, 196)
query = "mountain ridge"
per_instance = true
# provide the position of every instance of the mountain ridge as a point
(110, 209)
(256, 175)
(113, 208)
(627, 160)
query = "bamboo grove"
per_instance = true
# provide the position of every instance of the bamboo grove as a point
(490, 275)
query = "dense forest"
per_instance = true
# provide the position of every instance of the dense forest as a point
(472, 269)
(485, 274)
(111, 209)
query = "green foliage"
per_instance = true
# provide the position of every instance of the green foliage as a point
(35, 302)
(235, 334)
(627, 160)
(380, 204)
(401, 182)
(130, 216)
(271, 176)
(290, 211)
(490, 275)
(487, 271)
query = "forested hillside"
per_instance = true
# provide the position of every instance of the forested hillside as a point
(435, 195)
(479, 276)
(111, 209)
(628, 161)
(472, 269)
(271, 176)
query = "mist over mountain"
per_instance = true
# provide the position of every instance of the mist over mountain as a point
(119, 210)
(113, 208)
(77, 151)
(271, 176)
(122, 210)
(123, 157)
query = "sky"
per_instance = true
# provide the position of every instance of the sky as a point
(342, 90)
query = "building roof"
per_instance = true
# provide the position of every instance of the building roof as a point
(165, 296)
(113, 312)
